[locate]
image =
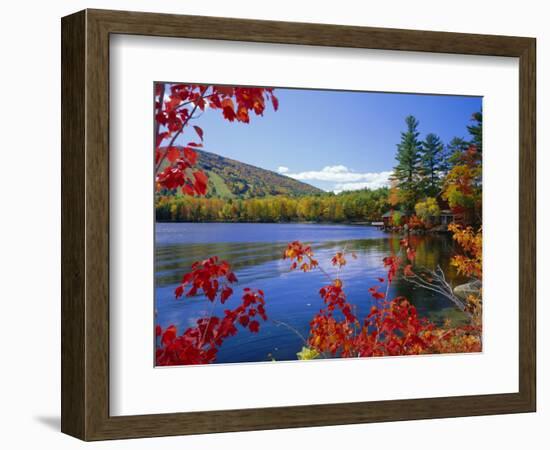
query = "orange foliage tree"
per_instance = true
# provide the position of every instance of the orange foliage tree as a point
(469, 263)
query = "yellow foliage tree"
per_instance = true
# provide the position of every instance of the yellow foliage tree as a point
(427, 209)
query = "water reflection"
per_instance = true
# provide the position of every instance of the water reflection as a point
(255, 252)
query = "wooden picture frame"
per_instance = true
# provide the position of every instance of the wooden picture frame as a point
(85, 224)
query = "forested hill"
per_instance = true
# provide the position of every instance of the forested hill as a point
(228, 178)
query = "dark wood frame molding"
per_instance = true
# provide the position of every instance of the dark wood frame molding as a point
(85, 224)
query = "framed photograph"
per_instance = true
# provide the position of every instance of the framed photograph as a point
(273, 225)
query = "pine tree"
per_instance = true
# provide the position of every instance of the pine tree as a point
(455, 148)
(433, 164)
(476, 130)
(407, 173)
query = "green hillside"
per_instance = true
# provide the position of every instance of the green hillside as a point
(233, 179)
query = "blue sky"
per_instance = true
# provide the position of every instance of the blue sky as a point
(335, 140)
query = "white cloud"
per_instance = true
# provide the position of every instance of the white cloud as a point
(328, 173)
(282, 169)
(380, 180)
(345, 179)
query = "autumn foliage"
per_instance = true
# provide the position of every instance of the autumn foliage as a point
(393, 326)
(469, 263)
(200, 344)
(301, 256)
(175, 168)
(462, 185)
(175, 106)
(209, 276)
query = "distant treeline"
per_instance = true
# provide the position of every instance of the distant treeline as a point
(356, 206)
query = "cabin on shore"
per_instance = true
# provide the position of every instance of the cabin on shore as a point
(446, 216)
(386, 218)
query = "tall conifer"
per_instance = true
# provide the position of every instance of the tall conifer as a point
(407, 172)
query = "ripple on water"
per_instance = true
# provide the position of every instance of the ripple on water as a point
(255, 252)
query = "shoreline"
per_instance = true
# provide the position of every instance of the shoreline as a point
(368, 224)
(362, 224)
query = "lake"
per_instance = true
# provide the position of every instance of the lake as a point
(292, 298)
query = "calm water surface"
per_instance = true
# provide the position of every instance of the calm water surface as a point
(255, 252)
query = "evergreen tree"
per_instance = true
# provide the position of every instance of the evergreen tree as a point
(407, 173)
(457, 144)
(476, 130)
(455, 148)
(433, 163)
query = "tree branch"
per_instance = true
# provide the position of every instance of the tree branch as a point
(440, 286)
(157, 124)
(177, 134)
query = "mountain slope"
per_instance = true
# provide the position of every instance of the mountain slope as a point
(228, 178)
